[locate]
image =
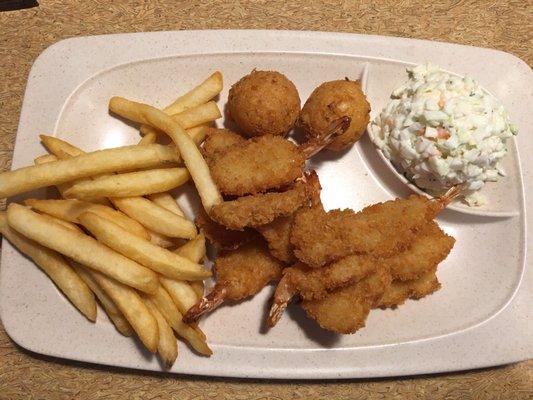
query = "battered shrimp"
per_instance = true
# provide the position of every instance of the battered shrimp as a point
(221, 236)
(264, 208)
(430, 246)
(240, 167)
(399, 291)
(382, 229)
(345, 310)
(278, 234)
(241, 273)
(219, 140)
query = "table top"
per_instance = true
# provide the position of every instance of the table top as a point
(24, 34)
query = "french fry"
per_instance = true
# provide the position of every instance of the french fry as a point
(86, 165)
(194, 249)
(167, 346)
(60, 148)
(66, 224)
(133, 308)
(130, 184)
(192, 157)
(149, 138)
(162, 240)
(155, 218)
(81, 248)
(69, 210)
(168, 309)
(190, 118)
(114, 314)
(145, 253)
(199, 95)
(198, 133)
(181, 293)
(55, 266)
(168, 202)
(65, 186)
(202, 93)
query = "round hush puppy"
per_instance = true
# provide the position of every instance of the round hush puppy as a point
(329, 102)
(264, 103)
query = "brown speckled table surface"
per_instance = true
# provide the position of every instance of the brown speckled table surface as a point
(505, 25)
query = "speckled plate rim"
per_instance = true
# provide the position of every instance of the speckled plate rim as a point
(505, 338)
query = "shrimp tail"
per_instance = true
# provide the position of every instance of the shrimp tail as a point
(282, 296)
(336, 128)
(206, 304)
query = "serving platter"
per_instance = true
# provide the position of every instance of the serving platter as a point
(480, 317)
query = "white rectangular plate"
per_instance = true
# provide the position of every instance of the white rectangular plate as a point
(481, 316)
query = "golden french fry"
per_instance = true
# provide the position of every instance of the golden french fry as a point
(192, 157)
(162, 240)
(145, 253)
(69, 210)
(60, 148)
(62, 222)
(194, 249)
(190, 118)
(55, 266)
(202, 93)
(114, 314)
(168, 309)
(181, 293)
(167, 346)
(81, 248)
(168, 202)
(130, 184)
(155, 218)
(65, 186)
(198, 133)
(133, 308)
(148, 138)
(86, 165)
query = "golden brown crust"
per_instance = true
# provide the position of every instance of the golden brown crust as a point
(330, 101)
(345, 310)
(264, 103)
(219, 140)
(278, 235)
(256, 165)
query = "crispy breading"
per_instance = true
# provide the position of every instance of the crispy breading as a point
(219, 140)
(221, 236)
(245, 271)
(260, 209)
(345, 310)
(315, 283)
(429, 247)
(399, 291)
(256, 165)
(382, 229)
(278, 235)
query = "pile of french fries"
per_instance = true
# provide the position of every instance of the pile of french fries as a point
(116, 235)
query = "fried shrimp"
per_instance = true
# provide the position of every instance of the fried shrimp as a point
(241, 167)
(399, 291)
(429, 247)
(264, 208)
(277, 235)
(382, 229)
(219, 140)
(240, 273)
(222, 237)
(345, 310)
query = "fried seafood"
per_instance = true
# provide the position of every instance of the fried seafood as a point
(382, 229)
(240, 167)
(241, 273)
(220, 236)
(264, 208)
(264, 103)
(345, 310)
(399, 291)
(278, 237)
(330, 101)
(430, 246)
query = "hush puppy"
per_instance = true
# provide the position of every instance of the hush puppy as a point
(264, 103)
(331, 101)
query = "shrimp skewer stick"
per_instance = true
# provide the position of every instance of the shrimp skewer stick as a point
(241, 273)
